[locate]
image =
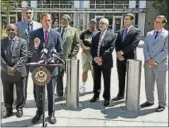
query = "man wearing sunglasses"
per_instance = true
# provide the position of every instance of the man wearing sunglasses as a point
(156, 63)
(25, 27)
(13, 70)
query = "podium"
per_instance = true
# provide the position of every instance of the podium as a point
(41, 76)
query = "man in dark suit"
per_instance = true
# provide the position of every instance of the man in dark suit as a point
(125, 45)
(13, 70)
(101, 51)
(48, 37)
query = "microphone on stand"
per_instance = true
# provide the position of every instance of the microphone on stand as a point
(44, 53)
(55, 55)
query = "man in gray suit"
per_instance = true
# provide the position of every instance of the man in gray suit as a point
(48, 38)
(25, 27)
(13, 70)
(70, 42)
(156, 64)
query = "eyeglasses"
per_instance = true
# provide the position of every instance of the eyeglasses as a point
(157, 22)
(102, 23)
(28, 12)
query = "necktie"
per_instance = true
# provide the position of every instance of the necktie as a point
(124, 34)
(99, 45)
(156, 34)
(29, 28)
(10, 51)
(62, 33)
(46, 37)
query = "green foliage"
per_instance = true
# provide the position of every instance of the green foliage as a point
(162, 6)
(7, 6)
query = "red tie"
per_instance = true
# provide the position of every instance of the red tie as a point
(46, 37)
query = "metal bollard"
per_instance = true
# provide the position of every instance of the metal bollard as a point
(72, 83)
(133, 84)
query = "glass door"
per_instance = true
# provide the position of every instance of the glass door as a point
(117, 23)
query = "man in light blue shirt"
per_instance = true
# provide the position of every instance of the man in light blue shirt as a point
(25, 27)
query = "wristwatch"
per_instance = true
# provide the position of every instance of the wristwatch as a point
(121, 52)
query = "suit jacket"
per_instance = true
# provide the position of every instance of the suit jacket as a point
(70, 42)
(157, 49)
(106, 49)
(18, 57)
(54, 40)
(131, 41)
(22, 28)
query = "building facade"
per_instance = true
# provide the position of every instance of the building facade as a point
(83, 10)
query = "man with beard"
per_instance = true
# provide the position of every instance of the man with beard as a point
(70, 41)
(13, 70)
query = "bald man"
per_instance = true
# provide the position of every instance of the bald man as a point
(13, 70)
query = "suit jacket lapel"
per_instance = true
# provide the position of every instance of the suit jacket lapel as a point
(158, 37)
(129, 32)
(105, 36)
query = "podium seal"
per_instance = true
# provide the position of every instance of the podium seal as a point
(41, 76)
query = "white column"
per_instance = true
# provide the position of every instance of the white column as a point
(34, 5)
(141, 22)
(142, 3)
(132, 3)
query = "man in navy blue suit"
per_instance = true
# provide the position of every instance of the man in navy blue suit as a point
(48, 37)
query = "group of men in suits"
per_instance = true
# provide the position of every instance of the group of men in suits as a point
(26, 40)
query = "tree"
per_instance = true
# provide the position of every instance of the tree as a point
(162, 6)
(7, 6)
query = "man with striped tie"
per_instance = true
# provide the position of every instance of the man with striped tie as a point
(25, 27)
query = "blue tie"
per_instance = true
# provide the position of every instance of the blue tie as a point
(124, 34)
(156, 34)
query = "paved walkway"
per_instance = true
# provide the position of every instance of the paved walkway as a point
(94, 114)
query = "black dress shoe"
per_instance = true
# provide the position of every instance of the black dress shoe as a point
(160, 108)
(94, 99)
(52, 119)
(36, 118)
(106, 103)
(146, 104)
(19, 113)
(8, 114)
(118, 98)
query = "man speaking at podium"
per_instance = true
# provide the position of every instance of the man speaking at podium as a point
(45, 38)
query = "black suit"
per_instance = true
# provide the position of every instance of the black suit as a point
(106, 49)
(13, 54)
(54, 40)
(128, 47)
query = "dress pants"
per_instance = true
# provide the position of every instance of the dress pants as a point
(59, 82)
(51, 98)
(121, 70)
(8, 83)
(97, 81)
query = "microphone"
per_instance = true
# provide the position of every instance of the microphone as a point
(55, 55)
(44, 53)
